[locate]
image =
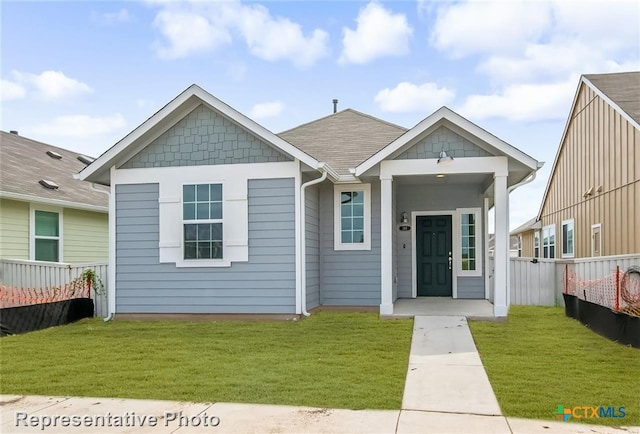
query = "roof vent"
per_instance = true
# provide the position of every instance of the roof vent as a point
(54, 154)
(84, 159)
(335, 105)
(14, 132)
(48, 184)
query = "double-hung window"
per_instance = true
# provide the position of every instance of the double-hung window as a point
(470, 242)
(567, 239)
(536, 244)
(549, 241)
(46, 236)
(202, 221)
(352, 217)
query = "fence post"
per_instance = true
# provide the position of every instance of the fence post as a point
(617, 288)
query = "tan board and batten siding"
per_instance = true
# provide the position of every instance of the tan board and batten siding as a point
(601, 150)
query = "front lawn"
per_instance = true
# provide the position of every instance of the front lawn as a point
(332, 359)
(540, 359)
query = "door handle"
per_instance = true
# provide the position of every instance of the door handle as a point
(450, 261)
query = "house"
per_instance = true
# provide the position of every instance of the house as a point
(46, 214)
(590, 205)
(214, 214)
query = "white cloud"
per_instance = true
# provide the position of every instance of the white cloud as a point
(523, 102)
(82, 126)
(11, 91)
(52, 85)
(194, 27)
(409, 97)
(379, 33)
(187, 33)
(488, 27)
(266, 110)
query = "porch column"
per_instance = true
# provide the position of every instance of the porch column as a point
(386, 246)
(501, 248)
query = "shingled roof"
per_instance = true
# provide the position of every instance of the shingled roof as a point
(24, 164)
(344, 139)
(622, 88)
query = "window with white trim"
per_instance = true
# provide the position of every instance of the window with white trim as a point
(470, 242)
(202, 221)
(46, 234)
(352, 217)
(567, 239)
(549, 241)
(519, 246)
(536, 244)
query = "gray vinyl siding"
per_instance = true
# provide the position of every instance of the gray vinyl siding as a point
(471, 287)
(204, 137)
(443, 138)
(264, 284)
(349, 277)
(421, 197)
(312, 234)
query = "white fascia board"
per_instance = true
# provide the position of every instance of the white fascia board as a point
(109, 158)
(497, 165)
(445, 113)
(53, 202)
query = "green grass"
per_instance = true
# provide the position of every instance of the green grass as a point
(332, 359)
(540, 358)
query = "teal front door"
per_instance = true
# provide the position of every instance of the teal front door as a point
(433, 255)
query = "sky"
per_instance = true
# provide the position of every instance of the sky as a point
(82, 75)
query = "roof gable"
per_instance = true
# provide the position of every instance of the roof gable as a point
(204, 137)
(168, 116)
(614, 89)
(459, 125)
(24, 163)
(443, 139)
(343, 139)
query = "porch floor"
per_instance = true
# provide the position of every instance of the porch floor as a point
(442, 306)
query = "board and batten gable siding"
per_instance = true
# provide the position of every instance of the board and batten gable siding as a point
(443, 138)
(349, 277)
(204, 137)
(14, 229)
(312, 247)
(420, 197)
(600, 149)
(264, 284)
(86, 236)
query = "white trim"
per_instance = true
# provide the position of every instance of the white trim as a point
(599, 226)
(299, 234)
(208, 262)
(454, 250)
(41, 201)
(487, 263)
(386, 246)
(573, 253)
(111, 272)
(501, 292)
(337, 217)
(435, 119)
(478, 238)
(497, 165)
(33, 207)
(189, 98)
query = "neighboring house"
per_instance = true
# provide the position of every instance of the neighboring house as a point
(514, 246)
(46, 214)
(591, 204)
(213, 213)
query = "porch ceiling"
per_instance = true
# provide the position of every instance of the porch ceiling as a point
(457, 179)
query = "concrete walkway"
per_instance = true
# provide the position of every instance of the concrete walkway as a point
(446, 391)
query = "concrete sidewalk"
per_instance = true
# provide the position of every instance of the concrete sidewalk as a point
(447, 391)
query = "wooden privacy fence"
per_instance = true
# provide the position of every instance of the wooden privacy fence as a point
(541, 281)
(39, 274)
